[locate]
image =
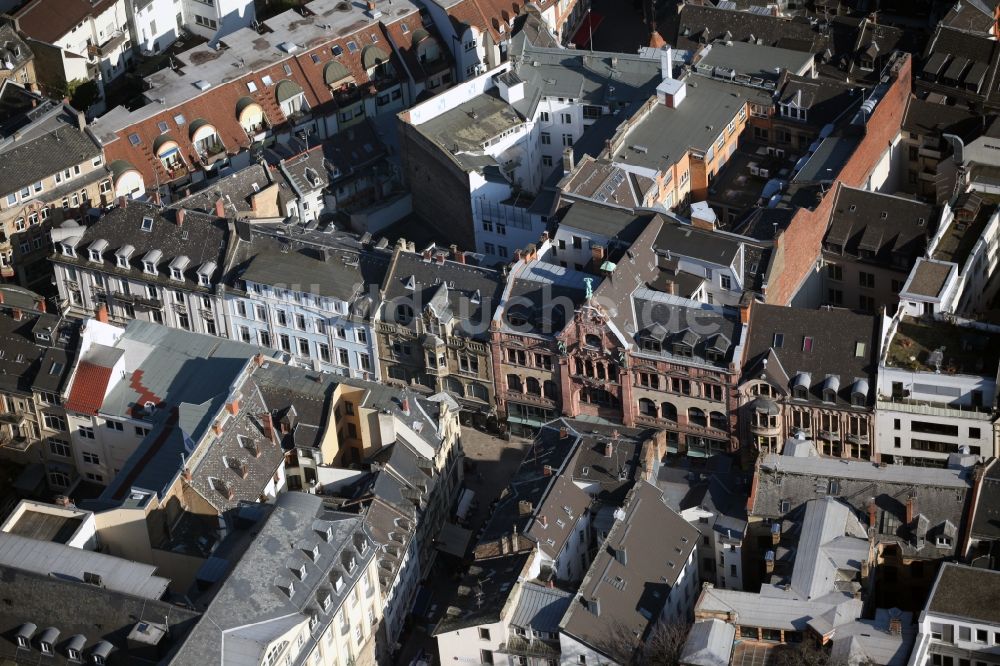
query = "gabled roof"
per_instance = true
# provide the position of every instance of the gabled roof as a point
(883, 227)
(700, 24)
(648, 546)
(89, 387)
(823, 343)
(452, 289)
(939, 495)
(263, 594)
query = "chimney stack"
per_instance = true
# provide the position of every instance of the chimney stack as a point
(597, 252)
(569, 161)
(563, 432)
(872, 513)
(234, 406)
(896, 626)
(40, 303)
(427, 254)
(460, 256)
(102, 313)
(180, 217)
(186, 474)
(406, 405)
(123, 202)
(439, 258)
(217, 429)
(268, 424)
(608, 449)
(909, 509)
(220, 207)
(1, 298)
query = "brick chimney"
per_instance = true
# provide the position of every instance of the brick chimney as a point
(102, 313)
(896, 626)
(268, 425)
(40, 303)
(406, 405)
(597, 252)
(872, 514)
(543, 521)
(460, 256)
(123, 202)
(439, 258)
(909, 509)
(531, 252)
(517, 255)
(234, 406)
(544, 238)
(217, 428)
(186, 474)
(563, 432)
(180, 217)
(1, 298)
(427, 254)
(220, 207)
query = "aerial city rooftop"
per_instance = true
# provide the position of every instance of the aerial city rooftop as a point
(342, 332)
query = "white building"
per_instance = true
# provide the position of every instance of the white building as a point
(937, 386)
(142, 262)
(316, 311)
(77, 41)
(960, 624)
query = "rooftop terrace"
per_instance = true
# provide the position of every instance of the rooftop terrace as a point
(963, 350)
(961, 236)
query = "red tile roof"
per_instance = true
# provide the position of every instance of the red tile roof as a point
(218, 105)
(89, 386)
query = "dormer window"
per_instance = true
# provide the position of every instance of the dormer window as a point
(177, 267)
(800, 393)
(96, 250)
(149, 267)
(829, 395)
(67, 250)
(123, 262)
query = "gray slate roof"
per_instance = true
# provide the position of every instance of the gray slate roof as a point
(939, 495)
(966, 592)
(468, 293)
(55, 144)
(78, 608)
(201, 238)
(28, 361)
(657, 543)
(835, 336)
(251, 601)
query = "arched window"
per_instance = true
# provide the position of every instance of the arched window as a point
(718, 420)
(514, 383)
(532, 386)
(592, 340)
(404, 314)
(647, 407)
(549, 389)
(668, 412)
(697, 417)
(478, 391)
